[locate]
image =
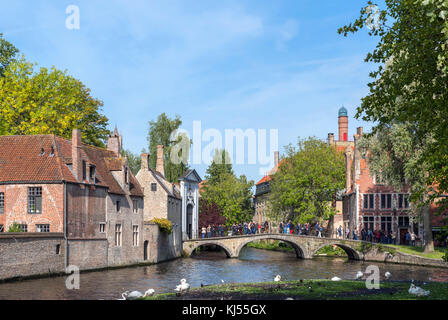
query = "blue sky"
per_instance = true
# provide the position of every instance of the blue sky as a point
(231, 64)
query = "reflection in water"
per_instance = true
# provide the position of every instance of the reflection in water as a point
(253, 266)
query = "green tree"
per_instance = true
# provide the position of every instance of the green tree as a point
(394, 153)
(48, 102)
(134, 160)
(220, 165)
(232, 195)
(160, 133)
(410, 86)
(305, 187)
(7, 54)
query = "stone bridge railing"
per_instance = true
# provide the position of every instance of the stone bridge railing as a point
(304, 246)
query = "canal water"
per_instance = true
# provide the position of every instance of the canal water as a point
(253, 265)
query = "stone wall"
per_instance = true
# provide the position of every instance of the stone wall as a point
(88, 254)
(160, 246)
(25, 254)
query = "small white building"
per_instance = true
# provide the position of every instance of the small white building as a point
(189, 191)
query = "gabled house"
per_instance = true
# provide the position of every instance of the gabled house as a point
(50, 184)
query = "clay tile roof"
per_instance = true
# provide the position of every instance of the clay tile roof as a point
(267, 177)
(21, 160)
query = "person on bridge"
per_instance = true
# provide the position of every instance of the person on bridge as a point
(340, 231)
(203, 232)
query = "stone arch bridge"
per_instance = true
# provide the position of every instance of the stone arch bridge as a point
(304, 246)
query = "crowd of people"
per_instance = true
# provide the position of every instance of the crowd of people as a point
(306, 229)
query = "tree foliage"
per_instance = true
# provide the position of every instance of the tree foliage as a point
(306, 184)
(48, 102)
(134, 160)
(410, 86)
(409, 95)
(160, 133)
(232, 195)
(7, 54)
(209, 214)
(220, 165)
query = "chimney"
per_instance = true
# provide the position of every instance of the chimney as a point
(331, 139)
(144, 164)
(160, 166)
(276, 158)
(359, 131)
(76, 154)
(114, 142)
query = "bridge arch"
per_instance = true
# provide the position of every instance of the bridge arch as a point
(300, 252)
(352, 253)
(227, 250)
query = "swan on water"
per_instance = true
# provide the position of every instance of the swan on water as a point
(183, 286)
(123, 295)
(277, 278)
(335, 279)
(418, 291)
(388, 275)
(149, 293)
(359, 275)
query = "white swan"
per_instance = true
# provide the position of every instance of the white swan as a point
(388, 275)
(183, 286)
(418, 291)
(134, 295)
(336, 279)
(149, 293)
(359, 275)
(277, 278)
(123, 295)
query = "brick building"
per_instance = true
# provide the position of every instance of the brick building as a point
(50, 184)
(368, 203)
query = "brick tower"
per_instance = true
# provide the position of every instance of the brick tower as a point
(343, 124)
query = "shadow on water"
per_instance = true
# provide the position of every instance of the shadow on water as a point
(210, 267)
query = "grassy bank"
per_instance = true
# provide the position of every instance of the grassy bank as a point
(418, 251)
(309, 290)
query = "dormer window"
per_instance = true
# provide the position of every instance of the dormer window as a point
(126, 175)
(84, 170)
(42, 151)
(52, 151)
(92, 173)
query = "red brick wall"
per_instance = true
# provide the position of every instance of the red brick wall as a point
(16, 206)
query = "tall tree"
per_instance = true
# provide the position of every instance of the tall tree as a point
(306, 184)
(7, 54)
(220, 165)
(134, 160)
(48, 102)
(161, 133)
(232, 195)
(410, 86)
